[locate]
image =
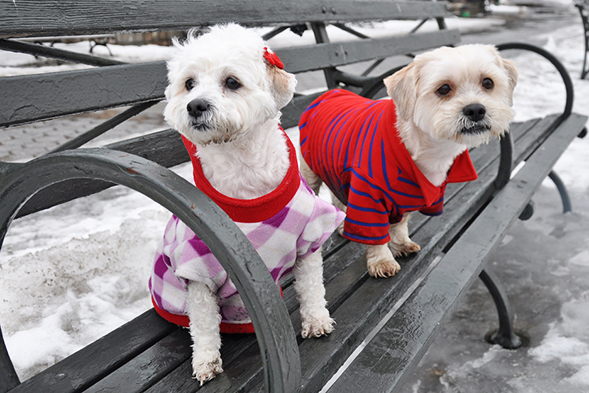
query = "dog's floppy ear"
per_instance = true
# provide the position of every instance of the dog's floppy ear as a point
(282, 85)
(511, 71)
(401, 87)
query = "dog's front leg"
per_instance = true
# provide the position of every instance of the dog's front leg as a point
(309, 287)
(380, 261)
(205, 318)
(400, 243)
(310, 177)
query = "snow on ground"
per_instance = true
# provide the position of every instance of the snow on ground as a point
(77, 271)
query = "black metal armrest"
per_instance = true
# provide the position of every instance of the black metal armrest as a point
(568, 83)
(506, 160)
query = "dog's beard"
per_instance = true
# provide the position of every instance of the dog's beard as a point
(205, 122)
(473, 128)
(211, 129)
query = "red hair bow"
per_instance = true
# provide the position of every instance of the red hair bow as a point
(273, 59)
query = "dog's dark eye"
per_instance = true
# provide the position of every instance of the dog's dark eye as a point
(232, 83)
(444, 90)
(488, 83)
(190, 83)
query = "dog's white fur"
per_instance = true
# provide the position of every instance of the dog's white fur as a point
(243, 154)
(431, 125)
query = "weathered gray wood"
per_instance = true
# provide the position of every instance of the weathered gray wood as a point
(149, 366)
(320, 56)
(24, 18)
(81, 369)
(532, 140)
(54, 53)
(63, 93)
(405, 337)
(340, 261)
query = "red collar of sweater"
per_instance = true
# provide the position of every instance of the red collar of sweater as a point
(249, 210)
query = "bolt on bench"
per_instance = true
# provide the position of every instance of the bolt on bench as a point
(150, 354)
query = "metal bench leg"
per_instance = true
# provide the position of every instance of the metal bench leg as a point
(505, 335)
(564, 195)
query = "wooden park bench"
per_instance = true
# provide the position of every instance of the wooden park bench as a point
(401, 313)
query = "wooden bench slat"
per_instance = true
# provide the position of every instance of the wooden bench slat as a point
(531, 140)
(63, 93)
(292, 112)
(149, 366)
(24, 18)
(404, 338)
(320, 56)
(81, 369)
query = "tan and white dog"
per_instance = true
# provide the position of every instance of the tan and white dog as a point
(384, 159)
(225, 94)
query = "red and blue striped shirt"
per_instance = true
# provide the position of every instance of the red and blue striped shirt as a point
(353, 145)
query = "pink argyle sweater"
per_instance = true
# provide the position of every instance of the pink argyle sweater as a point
(283, 226)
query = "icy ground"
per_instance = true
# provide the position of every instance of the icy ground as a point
(73, 273)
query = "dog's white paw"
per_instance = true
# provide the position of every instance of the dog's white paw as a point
(404, 248)
(384, 268)
(317, 326)
(206, 365)
(380, 261)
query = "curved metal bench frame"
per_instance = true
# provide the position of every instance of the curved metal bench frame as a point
(274, 331)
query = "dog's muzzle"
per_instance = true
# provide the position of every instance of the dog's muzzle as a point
(475, 113)
(197, 108)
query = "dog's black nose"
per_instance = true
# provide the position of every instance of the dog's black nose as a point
(196, 107)
(475, 112)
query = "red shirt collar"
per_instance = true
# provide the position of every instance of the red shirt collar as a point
(250, 210)
(462, 169)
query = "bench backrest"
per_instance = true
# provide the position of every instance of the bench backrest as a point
(111, 84)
